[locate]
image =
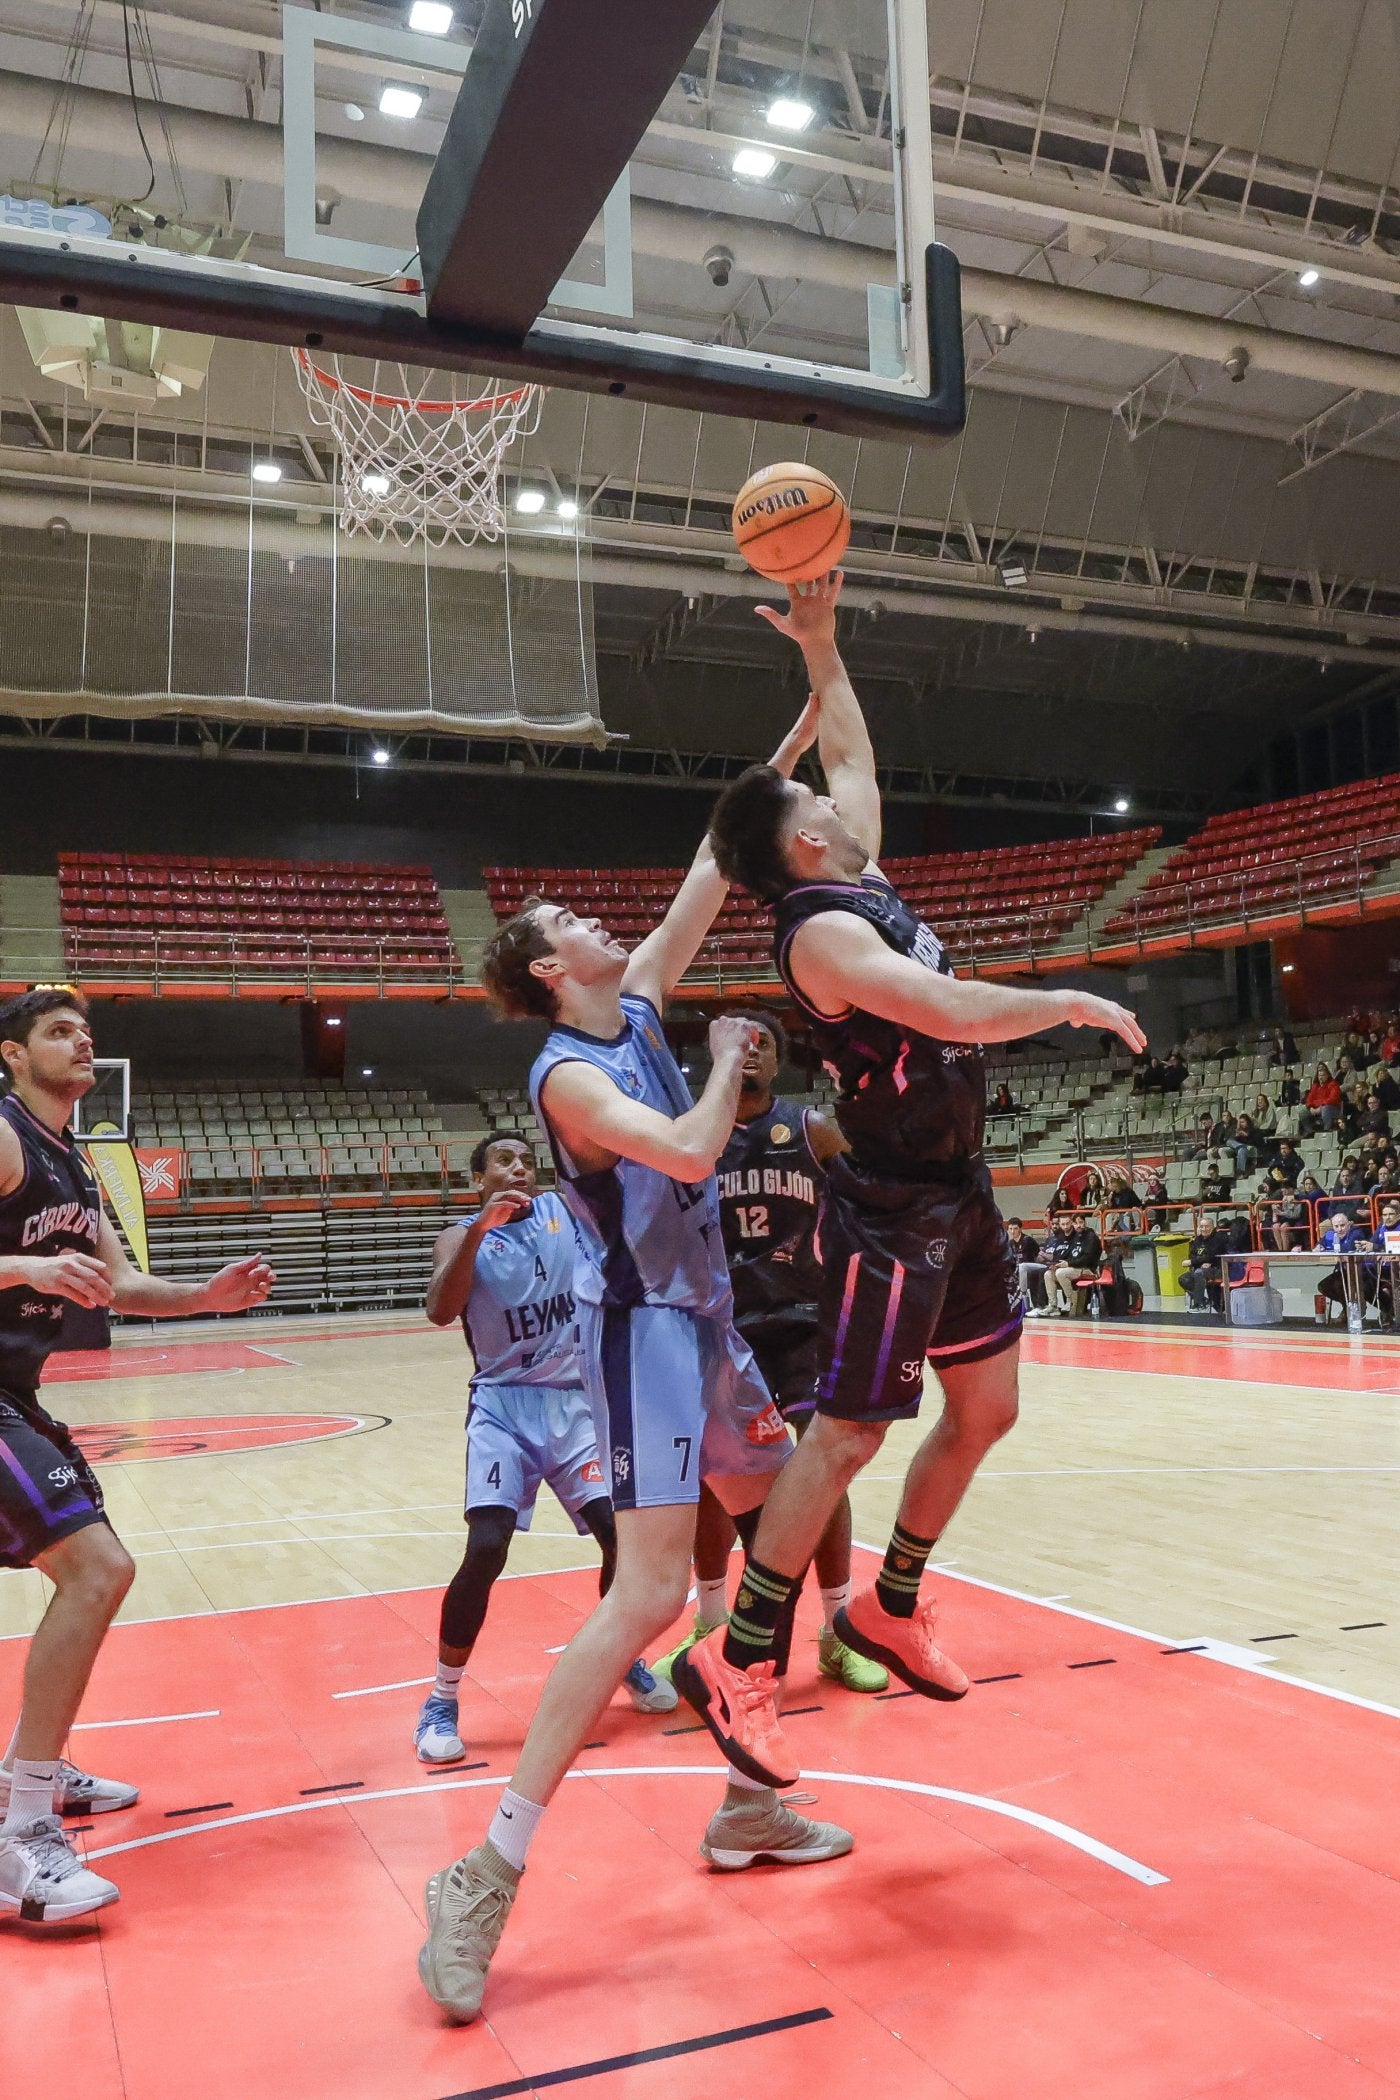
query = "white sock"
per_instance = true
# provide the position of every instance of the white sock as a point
(32, 1782)
(449, 1676)
(742, 1779)
(712, 1602)
(513, 1826)
(834, 1601)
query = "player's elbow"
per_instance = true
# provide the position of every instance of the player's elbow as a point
(690, 1162)
(438, 1313)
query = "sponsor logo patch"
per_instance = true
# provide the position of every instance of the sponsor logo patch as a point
(767, 1427)
(621, 1464)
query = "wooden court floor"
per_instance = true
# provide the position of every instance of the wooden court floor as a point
(1155, 1852)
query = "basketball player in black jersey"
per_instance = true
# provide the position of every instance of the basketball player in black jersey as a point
(915, 1263)
(770, 1176)
(56, 1246)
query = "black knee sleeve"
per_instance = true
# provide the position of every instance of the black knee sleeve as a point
(489, 1533)
(599, 1518)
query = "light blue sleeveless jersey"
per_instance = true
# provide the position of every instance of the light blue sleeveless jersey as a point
(519, 1318)
(645, 1239)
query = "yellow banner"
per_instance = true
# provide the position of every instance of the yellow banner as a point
(114, 1164)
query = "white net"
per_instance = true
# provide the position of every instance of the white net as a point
(415, 465)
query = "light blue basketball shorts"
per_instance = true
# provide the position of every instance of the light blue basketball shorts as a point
(677, 1398)
(521, 1435)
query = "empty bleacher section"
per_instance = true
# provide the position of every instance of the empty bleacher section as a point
(1272, 861)
(176, 915)
(1023, 899)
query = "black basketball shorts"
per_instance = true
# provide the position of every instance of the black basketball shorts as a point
(785, 1349)
(47, 1488)
(910, 1271)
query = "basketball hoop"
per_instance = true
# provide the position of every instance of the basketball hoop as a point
(415, 468)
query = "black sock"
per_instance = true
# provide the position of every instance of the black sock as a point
(758, 1609)
(897, 1584)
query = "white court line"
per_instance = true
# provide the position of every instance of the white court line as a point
(1233, 1662)
(355, 1596)
(306, 1516)
(365, 1690)
(1065, 1832)
(210, 1713)
(303, 1538)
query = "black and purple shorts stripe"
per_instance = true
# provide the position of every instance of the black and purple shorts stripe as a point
(47, 1488)
(910, 1271)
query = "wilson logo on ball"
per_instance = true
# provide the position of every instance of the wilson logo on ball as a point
(781, 499)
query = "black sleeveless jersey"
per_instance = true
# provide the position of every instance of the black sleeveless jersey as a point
(55, 1210)
(770, 1187)
(912, 1107)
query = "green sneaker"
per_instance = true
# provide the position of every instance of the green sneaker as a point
(664, 1664)
(835, 1659)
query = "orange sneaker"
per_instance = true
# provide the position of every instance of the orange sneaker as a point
(905, 1646)
(739, 1707)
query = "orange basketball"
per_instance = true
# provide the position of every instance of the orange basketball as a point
(791, 522)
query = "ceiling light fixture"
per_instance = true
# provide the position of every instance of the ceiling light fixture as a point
(1013, 574)
(354, 112)
(566, 508)
(790, 113)
(755, 162)
(1121, 805)
(266, 470)
(1309, 277)
(375, 484)
(380, 755)
(396, 100)
(530, 502)
(430, 17)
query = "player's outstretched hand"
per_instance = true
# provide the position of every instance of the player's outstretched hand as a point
(504, 1208)
(79, 1277)
(1085, 1011)
(240, 1285)
(731, 1036)
(811, 613)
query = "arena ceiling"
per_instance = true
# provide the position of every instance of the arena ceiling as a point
(1134, 189)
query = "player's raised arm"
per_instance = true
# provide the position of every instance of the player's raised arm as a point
(455, 1251)
(658, 964)
(841, 962)
(847, 755)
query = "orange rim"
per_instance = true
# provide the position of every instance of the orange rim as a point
(427, 408)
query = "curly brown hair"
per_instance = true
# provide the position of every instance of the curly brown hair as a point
(511, 985)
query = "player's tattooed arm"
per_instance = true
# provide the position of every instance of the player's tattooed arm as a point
(455, 1251)
(658, 964)
(840, 961)
(843, 741)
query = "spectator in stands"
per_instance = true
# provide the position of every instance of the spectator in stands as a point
(1375, 1121)
(1150, 1076)
(1122, 1219)
(1058, 1206)
(1215, 1187)
(1390, 1040)
(1285, 1050)
(1387, 1241)
(1341, 1286)
(1287, 1161)
(1265, 1118)
(1290, 1090)
(1078, 1269)
(1003, 1102)
(1200, 1140)
(1353, 1054)
(1175, 1073)
(1030, 1269)
(1091, 1196)
(1201, 1275)
(1243, 1145)
(1154, 1197)
(1350, 1183)
(1287, 1221)
(1388, 1088)
(1324, 1098)
(1386, 1183)
(1197, 1043)
(1347, 1071)
(1314, 1195)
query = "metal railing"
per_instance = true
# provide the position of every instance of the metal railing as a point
(254, 1176)
(185, 955)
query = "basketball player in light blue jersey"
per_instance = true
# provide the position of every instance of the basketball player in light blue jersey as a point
(675, 1391)
(508, 1275)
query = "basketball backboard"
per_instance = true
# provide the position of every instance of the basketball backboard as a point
(730, 209)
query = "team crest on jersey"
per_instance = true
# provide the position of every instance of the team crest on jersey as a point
(621, 1464)
(781, 1134)
(632, 1081)
(937, 1253)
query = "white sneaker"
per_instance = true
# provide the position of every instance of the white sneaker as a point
(43, 1881)
(435, 1733)
(767, 1830)
(79, 1793)
(650, 1694)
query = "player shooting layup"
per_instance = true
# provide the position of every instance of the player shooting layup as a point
(675, 1392)
(56, 1245)
(915, 1259)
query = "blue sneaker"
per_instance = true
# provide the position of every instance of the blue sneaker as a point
(650, 1695)
(435, 1736)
